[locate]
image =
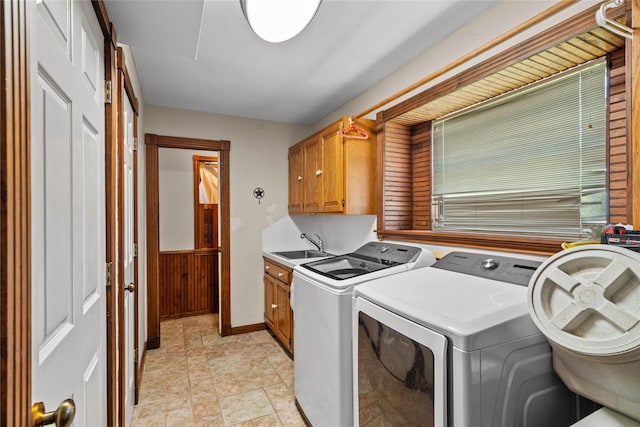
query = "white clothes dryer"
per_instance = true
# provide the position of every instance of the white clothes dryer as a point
(453, 345)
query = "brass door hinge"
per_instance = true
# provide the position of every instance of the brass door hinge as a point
(108, 273)
(135, 356)
(135, 250)
(135, 143)
(107, 91)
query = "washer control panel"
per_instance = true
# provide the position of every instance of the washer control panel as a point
(505, 269)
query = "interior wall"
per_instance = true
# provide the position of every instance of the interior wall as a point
(488, 26)
(258, 158)
(175, 179)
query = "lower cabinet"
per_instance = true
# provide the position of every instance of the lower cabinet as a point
(277, 310)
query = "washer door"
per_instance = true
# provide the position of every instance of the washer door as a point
(399, 369)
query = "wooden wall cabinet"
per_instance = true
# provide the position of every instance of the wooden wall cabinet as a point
(296, 172)
(278, 315)
(330, 173)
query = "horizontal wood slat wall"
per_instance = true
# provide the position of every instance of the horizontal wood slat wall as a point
(398, 185)
(618, 153)
(188, 283)
(421, 171)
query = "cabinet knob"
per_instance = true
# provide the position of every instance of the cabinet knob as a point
(280, 274)
(267, 267)
(318, 172)
(274, 306)
(299, 178)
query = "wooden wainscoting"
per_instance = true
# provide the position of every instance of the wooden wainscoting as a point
(188, 283)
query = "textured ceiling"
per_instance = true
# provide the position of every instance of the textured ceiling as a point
(202, 55)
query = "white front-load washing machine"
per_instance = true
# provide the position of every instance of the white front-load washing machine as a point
(453, 345)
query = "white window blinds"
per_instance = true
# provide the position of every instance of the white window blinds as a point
(530, 163)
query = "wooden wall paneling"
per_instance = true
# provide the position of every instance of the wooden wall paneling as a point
(189, 283)
(15, 226)
(618, 156)
(380, 162)
(397, 176)
(421, 176)
(633, 107)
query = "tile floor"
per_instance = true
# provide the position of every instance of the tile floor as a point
(197, 378)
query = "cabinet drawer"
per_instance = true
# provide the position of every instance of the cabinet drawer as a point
(277, 271)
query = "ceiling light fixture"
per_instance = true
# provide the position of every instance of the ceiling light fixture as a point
(276, 21)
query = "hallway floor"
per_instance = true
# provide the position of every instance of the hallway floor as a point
(197, 378)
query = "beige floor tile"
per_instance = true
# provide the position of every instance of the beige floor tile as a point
(197, 378)
(266, 421)
(150, 421)
(245, 406)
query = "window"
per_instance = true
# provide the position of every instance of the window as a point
(532, 162)
(205, 177)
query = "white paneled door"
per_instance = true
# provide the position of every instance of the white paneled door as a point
(68, 208)
(129, 276)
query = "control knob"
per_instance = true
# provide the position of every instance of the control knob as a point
(490, 264)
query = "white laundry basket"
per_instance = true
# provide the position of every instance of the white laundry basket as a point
(586, 301)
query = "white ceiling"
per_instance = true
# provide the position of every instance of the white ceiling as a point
(203, 56)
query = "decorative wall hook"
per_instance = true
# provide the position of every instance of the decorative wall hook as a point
(258, 193)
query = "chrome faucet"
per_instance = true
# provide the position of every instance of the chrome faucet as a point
(319, 244)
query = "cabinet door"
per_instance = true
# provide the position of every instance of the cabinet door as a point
(312, 177)
(283, 314)
(269, 301)
(296, 181)
(332, 171)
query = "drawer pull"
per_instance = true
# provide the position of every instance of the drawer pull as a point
(280, 274)
(274, 306)
(319, 172)
(267, 267)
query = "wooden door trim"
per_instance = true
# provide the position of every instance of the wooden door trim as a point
(152, 143)
(125, 92)
(110, 165)
(15, 217)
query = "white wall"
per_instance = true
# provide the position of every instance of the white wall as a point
(141, 288)
(341, 234)
(175, 182)
(258, 158)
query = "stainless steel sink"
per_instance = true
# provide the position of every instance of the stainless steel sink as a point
(305, 253)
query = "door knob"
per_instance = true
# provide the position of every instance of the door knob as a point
(61, 417)
(131, 287)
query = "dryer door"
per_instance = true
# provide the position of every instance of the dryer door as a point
(399, 369)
